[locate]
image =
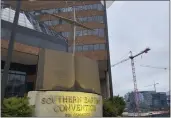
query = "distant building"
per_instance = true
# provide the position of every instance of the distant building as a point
(168, 98)
(159, 100)
(147, 97)
(147, 100)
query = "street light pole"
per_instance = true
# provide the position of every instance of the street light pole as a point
(10, 49)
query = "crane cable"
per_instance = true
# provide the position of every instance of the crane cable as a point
(122, 60)
(148, 66)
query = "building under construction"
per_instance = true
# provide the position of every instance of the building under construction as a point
(148, 101)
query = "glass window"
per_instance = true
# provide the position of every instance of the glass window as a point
(48, 31)
(45, 11)
(80, 19)
(100, 7)
(43, 28)
(36, 13)
(56, 10)
(84, 32)
(90, 19)
(96, 47)
(85, 7)
(94, 18)
(47, 22)
(89, 32)
(90, 47)
(102, 46)
(101, 19)
(62, 9)
(95, 6)
(90, 6)
(79, 48)
(65, 34)
(64, 22)
(68, 34)
(69, 9)
(101, 32)
(59, 10)
(52, 22)
(95, 32)
(85, 47)
(85, 19)
(51, 11)
(80, 8)
(78, 33)
(32, 12)
(60, 21)
(76, 48)
(55, 22)
(76, 8)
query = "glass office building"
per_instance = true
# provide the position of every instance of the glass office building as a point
(89, 43)
(31, 37)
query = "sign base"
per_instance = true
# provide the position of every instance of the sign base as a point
(66, 104)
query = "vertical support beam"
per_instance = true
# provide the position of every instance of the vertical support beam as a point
(108, 85)
(74, 29)
(10, 49)
(74, 37)
(108, 53)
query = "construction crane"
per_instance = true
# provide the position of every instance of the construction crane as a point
(134, 76)
(153, 85)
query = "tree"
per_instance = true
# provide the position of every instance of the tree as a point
(16, 107)
(113, 107)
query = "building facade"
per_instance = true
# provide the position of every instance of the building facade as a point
(31, 37)
(168, 98)
(159, 100)
(89, 43)
(148, 100)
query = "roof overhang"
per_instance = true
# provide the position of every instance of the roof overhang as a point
(20, 57)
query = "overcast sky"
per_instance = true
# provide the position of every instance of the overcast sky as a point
(134, 26)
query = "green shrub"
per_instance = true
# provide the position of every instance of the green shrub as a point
(113, 107)
(16, 107)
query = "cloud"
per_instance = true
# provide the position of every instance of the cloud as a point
(134, 26)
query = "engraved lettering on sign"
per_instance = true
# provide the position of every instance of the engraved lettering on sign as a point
(72, 105)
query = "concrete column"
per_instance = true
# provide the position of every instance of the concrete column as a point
(107, 85)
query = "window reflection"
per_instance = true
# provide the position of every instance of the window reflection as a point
(81, 19)
(96, 32)
(91, 47)
(15, 84)
(69, 9)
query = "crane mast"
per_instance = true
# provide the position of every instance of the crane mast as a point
(136, 96)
